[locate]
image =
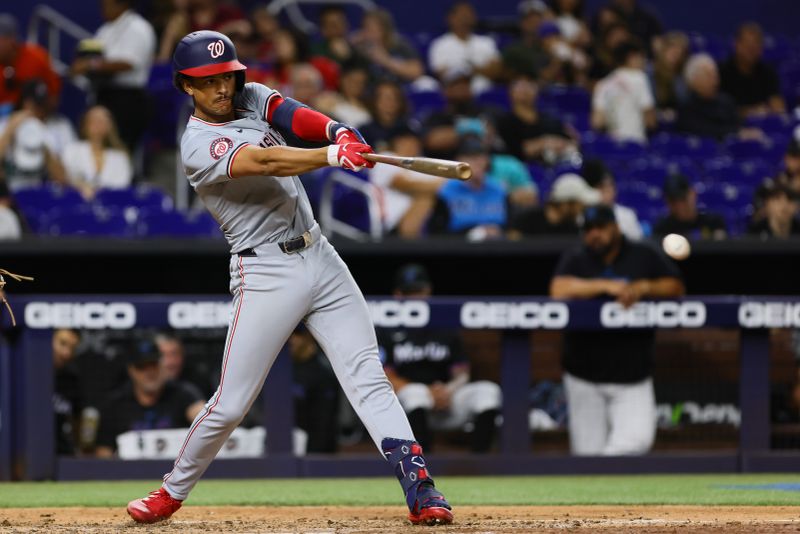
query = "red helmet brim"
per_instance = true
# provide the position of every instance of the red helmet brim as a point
(214, 68)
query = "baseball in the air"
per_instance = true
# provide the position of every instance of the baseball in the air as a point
(676, 246)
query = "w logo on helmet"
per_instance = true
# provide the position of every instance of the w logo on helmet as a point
(217, 48)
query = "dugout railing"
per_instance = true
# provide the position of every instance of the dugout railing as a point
(26, 382)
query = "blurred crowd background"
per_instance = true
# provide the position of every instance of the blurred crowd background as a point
(556, 107)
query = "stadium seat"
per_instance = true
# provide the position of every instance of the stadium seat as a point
(157, 223)
(425, 102)
(48, 197)
(142, 197)
(604, 147)
(87, 222)
(672, 145)
(495, 97)
(565, 99)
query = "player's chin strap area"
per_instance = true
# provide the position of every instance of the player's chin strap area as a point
(412, 472)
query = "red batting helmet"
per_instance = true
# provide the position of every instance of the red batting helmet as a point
(205, 53)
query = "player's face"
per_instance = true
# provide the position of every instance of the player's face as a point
(146, 376)
(213, 95)
(64, 345)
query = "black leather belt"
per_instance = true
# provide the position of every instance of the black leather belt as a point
(287, 247)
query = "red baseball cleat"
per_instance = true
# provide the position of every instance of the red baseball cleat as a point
(434, 515)
(157, 506)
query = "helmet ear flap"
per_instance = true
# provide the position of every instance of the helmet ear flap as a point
(240, 77)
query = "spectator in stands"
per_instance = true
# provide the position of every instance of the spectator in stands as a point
(603, 57)
(505, 170)
(20, 63)
(245, 41)
(306, 84)
(67, 398)
(569, 196)
(666, 72)
(780, 209)
(431, 375)
(753, 84)
(706, 112)
(570, 19)
(407, 197)
(121, 69)
(390, 55)
(526, 56)
(684, 218)
(290, 50)
(599, 177)
(334, 28)
(608, 373)
(439, 128)
(147, 402)
(349, 104)
(25, 142)
(622, 103)
(193, 15)
(389, 109)
(476, 207)
(172, 359)
(790, 175)
(10, 220)
(533, 136)
(316, 393)
(461, 50)
(99, 159)
(644, 24)
(567, 64)
(266, 27)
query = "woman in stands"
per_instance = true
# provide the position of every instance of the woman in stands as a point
(99, 158)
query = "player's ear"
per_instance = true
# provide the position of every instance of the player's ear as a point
(186, 83)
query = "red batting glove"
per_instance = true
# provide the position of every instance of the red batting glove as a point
(349, 156)
(346, 135)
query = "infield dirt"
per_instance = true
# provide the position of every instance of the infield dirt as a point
(382, 519)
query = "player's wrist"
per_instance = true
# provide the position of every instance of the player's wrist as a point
(333, 156)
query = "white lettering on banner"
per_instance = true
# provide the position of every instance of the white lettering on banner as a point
(550, 315)
(400, 313)
(92, 315)
(769, 314)
(198, 314)
(667, 314)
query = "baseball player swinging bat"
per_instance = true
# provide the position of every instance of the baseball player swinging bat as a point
(437, 167)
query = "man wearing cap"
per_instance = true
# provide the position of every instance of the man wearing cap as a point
(569, 196)
(462, 50)
(598, 176)
(120, 71)
(477, 207)
(430, 373)
(684, 217)
(26, 143)
(526, 57)
(21, 62)
(607, 373)
(147, 402)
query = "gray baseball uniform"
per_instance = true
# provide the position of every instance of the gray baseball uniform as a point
(273, 291)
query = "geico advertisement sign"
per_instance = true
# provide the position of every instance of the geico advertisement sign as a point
(399, 313)
(769, 314)
(115, 315)
(198, 314)
(668, 314)
(550, 315)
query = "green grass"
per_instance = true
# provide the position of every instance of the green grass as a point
(461, 491)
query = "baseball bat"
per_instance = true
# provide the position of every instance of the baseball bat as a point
(437, 167)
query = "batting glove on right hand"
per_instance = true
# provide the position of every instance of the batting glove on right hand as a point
(349, 156)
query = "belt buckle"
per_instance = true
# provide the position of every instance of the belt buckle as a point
(307, 239)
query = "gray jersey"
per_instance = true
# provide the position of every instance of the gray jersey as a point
(251, 210)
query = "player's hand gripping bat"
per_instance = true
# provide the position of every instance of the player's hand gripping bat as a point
(437, 167)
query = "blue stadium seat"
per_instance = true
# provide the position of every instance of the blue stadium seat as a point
(771, 149)
(48, 197)
(495, 97)
(142, 197)
(426, 102)
(672, 146)
(87, 222)
(565, 99)
(604, 147)
(159, 223)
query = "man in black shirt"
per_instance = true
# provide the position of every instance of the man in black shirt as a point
(147, 402)
(706, 112)
(67, 394)
(431, 375)
(607, 374)
(684, 217)
(559, 216)
(779, 213)
(316, 392)
(752, 83)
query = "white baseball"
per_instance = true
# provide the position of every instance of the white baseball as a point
(676, 246)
